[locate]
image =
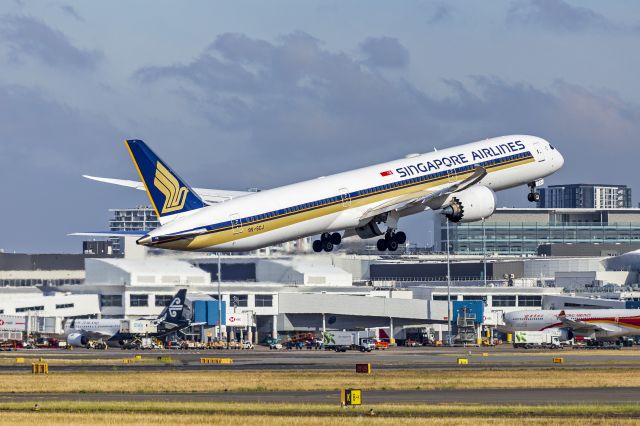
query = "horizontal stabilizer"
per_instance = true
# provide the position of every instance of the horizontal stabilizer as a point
(209, 196)
(105, 234)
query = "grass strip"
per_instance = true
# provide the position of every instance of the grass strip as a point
(143, 419)
(174, 380)
(323, 410)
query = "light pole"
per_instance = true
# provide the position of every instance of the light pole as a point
(448, 283)
(484, 252)
(219, 299)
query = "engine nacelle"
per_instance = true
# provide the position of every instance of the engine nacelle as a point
(566, 334)
(77, 339)
(470, 205)
(370, 230)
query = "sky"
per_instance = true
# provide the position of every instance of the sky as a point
(254, 94)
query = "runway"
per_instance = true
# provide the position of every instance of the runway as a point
(472, 396)
(504, 358)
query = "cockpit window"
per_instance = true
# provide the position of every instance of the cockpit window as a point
(551, 146)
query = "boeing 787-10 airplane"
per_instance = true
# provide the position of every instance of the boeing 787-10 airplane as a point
(367, 202)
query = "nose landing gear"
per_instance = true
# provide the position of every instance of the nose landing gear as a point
(391, 241)
(327, 242)
(534, 196)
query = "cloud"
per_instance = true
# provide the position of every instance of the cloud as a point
(313, 111)
(385, 52)
(294, 96)
(559, 15)
(27, 36)
(70, 11)
(441, 12)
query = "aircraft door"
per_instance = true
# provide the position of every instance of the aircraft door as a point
(236, 223)
(345, 198)
(539, 151)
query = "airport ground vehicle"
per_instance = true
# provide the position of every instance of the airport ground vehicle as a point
(341, 341)
(537, 339)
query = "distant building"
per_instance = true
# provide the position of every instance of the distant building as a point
(518, 231)
(41, 270)
(97, 247)
(583, 196)
(141, 218)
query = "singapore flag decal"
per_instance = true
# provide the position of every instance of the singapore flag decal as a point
(386, 173)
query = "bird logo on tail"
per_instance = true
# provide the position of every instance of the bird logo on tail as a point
(174, 195)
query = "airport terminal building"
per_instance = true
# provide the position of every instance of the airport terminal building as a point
(289, 294)
(521, 231)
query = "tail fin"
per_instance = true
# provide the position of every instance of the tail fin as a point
(172, 313)
(168, 193)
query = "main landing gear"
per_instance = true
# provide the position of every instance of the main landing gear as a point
(391, 241)
(326, 242)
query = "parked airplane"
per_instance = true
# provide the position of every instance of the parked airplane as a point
(366, 202)
(598, 324)
(80, 332)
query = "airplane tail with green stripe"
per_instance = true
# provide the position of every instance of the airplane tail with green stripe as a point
(169, 194)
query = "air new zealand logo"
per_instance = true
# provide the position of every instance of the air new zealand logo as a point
(175, 307)
(174, 195)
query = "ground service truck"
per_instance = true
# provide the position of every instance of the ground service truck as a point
(537, 339)
(340, 341)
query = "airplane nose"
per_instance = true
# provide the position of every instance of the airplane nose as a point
(559, 160)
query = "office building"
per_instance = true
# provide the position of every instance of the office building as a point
(585, 196)
(520, 231)
(141, 218)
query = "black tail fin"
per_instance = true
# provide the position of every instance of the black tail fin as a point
(172, 313)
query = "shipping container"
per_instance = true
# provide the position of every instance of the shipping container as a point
(138, 326)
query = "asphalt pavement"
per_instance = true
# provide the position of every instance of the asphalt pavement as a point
(471, 396)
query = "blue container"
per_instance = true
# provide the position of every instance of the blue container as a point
(473, 307)
(632, 304)
(212, 312)
(200, 311)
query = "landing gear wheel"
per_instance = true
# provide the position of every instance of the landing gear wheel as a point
(533, 197)
(327, 246)
(392, 245)
(317, 246)
(382, 245)
(400, 237)
(336, 238)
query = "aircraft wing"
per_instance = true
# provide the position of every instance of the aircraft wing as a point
(422, 198)
(95, 335)
(210, 196)
(580, 325)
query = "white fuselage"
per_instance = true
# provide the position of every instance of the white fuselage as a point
(610, 323)
(106, 327)
(295, 211)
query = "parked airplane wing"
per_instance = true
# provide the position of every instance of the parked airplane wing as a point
(414, 199)
(580, 325)
(210, 196)
(95, 334)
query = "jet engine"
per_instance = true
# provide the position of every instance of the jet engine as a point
(77, 339)
(370, 230)
(472, 204)
(566, 334)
